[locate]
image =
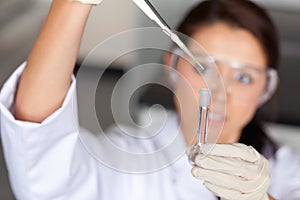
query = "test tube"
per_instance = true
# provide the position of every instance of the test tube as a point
(202, 131)
(204, 98)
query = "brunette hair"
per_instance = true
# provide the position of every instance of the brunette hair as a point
(246, 15)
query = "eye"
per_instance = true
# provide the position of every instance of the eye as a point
(243, 78)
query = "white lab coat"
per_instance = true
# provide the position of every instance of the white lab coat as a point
(50, 161)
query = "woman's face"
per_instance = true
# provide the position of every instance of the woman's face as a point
(242, 89)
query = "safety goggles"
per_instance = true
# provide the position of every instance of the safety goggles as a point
(239, 79)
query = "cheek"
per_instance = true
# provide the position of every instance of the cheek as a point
(242, 107)
(186, 93)
(188, 75)
(187, 85)
(241, 112)
(253, 99)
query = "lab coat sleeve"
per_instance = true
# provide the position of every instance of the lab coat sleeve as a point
(45, 160)
(285, 175)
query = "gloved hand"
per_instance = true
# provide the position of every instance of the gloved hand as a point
(233, 171)
(94, 2)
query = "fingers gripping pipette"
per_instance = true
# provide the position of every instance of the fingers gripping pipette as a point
(204, 97)
(151, 12)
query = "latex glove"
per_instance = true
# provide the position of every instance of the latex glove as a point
(94, 2)
(233, 171)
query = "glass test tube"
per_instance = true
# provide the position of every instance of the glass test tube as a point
(202, 132)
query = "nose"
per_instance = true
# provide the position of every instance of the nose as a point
(227, 85)
(220, 82)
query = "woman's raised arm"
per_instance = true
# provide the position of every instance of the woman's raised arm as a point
(47, 76)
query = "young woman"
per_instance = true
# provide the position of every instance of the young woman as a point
(46, 159)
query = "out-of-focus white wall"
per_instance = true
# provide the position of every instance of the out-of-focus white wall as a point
(285, 134)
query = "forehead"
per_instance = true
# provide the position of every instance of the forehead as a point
(230, 43)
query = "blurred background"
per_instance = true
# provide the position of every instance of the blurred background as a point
(21, 20)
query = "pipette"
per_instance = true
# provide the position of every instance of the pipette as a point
(152, 13)
(204, 98)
